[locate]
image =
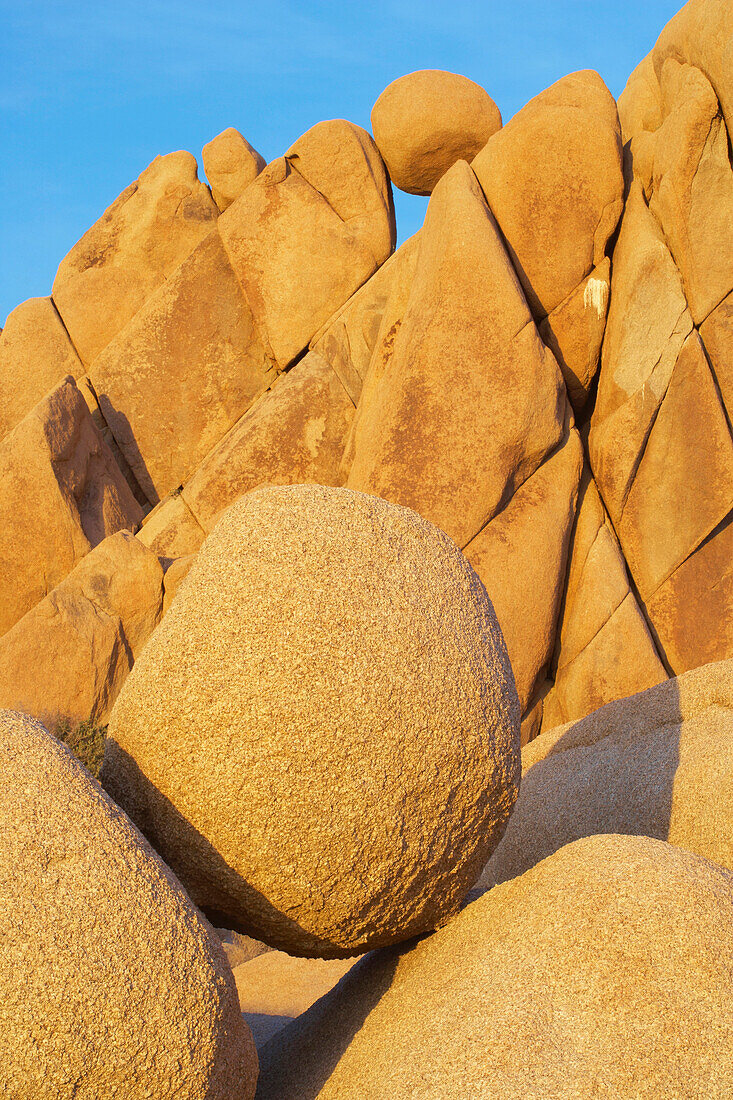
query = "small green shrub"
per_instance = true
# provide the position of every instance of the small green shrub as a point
(85, 740)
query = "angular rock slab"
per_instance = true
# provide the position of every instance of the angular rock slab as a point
(321, 633)
(61, 493)
(230, 163)
(471, 401)
(36, 354)
(521, 557)
(587, 976)
(140, 239)
(294, 435)
(425, 121)
(68, 657)
(307, 233)
(176, 379)
(604, 649)
(112, 982)
(658, 764)
(553, 179)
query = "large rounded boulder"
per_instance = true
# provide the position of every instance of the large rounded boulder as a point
(605, 971)
(322, 736)
(112, 984)
(424, 122)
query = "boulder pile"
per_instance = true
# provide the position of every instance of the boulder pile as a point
(331, 544)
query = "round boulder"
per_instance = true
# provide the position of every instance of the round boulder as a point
(424, 122)
(605, 971)
(112, 984)
(322, 737)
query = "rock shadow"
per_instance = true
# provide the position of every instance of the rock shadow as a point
(611, 772)
(298, 1060)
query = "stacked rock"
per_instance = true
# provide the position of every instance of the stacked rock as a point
(319, 533)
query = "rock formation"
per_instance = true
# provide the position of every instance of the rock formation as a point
(322, 633)
(604, 970)
(112, 982)
(327, 529)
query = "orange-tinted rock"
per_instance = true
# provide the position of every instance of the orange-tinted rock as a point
(68, 657)
(640, 115)
(470, 401)
(691, 611)
(604, 971)
(717, 335)
(61, 493)
(553, 179)
(604, 648)
(35, 355)
(308, 232)
(177, 378)
(112, 983)
(692, 186)
(683, 483)
(424, 122)
(402, 272)
(348, 339)
(658, 764)
(293, 435)
(230, 163)
(372, 787)
(648, 322)
(521, 557)
(175, 575)
(574, 333)
(171, 529)
(136, 244)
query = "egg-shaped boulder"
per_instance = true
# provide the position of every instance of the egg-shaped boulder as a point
(425, 121)
(111, 984)
(322, 736)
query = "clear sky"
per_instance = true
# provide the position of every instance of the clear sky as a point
(92, 90)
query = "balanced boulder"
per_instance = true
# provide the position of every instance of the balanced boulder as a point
(322, 736)
(424, 122)
(605, 971)
(112, 984)
(230, 163)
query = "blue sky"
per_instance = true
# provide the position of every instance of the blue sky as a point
(91, 91)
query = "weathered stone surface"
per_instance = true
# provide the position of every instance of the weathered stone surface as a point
(717, 335)
(692, 186)
(295, 434)
(521, 557)
(553, 179)
(424, 122)
(658, 764)
(175, 575)
(348, 339)
(171, 529)
(68, 657)
(604, 648)
(60, 494)
(691, 611)
(470, 401)
(177, 378)
(640, 115)
(275, 988)
(230, 163)
(574, 333)
(112, 983)
(35, 355)
(306, 585)
(403, 265)
(604, 971)
(308, 232)
(648, 322)
(136, 244)
(683, 482)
